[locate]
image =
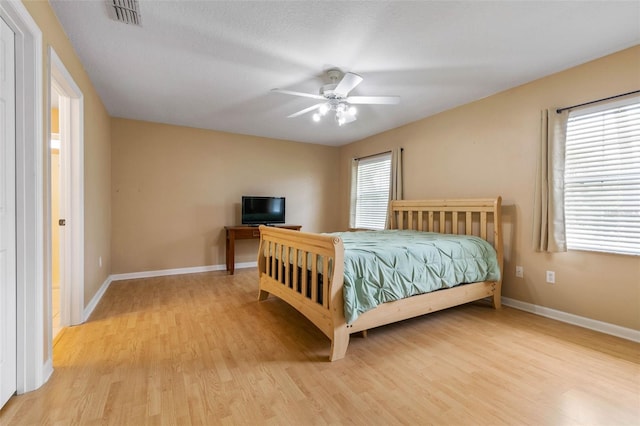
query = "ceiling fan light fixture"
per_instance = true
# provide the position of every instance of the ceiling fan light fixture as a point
(345, 113)
(335, 97)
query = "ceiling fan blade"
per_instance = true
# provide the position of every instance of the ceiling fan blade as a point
(291, 92)
(306, 110)
(377, 100)
(347, 84)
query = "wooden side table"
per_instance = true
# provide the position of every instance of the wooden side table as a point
(244, 233)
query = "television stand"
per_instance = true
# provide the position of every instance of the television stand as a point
(244, 232)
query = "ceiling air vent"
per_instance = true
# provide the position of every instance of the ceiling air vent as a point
(126, 11)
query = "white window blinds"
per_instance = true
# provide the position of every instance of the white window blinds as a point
(602, 178)
(372, 176)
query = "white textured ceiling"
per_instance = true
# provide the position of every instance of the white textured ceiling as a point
(211, 64)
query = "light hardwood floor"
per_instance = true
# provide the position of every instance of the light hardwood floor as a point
(200, 349)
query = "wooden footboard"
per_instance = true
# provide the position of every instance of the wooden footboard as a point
(306, 269)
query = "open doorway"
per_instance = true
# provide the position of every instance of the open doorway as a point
(66, 199)
(57, 215)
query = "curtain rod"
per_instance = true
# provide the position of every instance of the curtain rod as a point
(559, 110)
(375, 155)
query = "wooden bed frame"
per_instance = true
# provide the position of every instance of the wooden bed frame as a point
(318, 293)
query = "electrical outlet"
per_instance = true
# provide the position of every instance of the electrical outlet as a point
(551, 277)
(519, 272)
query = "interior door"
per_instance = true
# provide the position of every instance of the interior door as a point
(8, 343)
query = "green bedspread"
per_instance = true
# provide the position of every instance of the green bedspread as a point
(382, 266)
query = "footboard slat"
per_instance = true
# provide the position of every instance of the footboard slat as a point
(305, 277)
(325, 284)
(314, 277)
(295, 269)
(272, 249)
(278, 256)
(287, 267)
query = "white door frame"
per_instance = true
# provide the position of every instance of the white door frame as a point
(8, 325)
(71, 107)
(34, 364)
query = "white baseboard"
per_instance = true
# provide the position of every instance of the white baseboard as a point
(95, 299)
(178, 271)
(603, 327)
(245, 265)
(47, 370)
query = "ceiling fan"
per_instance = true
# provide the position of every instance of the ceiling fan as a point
(335, 97)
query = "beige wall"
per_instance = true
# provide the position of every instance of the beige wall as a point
(97, 156)
(175, 188)
(488, 148)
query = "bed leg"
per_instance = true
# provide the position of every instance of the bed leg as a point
(496, 300)
(365, 333)
(262, 295)
(339, 344)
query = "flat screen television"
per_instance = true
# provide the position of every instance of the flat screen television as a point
(262, 210)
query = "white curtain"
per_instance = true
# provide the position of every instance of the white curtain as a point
(396, 185)
(548, 216)
(354, 193)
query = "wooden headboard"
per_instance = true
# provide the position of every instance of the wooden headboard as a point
(474, 216)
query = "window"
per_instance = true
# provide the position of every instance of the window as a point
(602, 178)
(371, 179)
